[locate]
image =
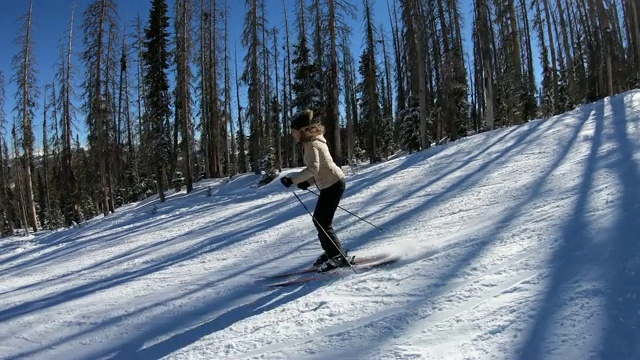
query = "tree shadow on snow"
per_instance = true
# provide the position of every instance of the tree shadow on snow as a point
(57, 245)
(465, 181)
(578, 252)
(46, 258)
(208, 244)
(399, 322)
(357, 182)
(600, 267)
(258, 302)
(252, 297)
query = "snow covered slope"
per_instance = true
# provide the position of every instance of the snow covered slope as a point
(521, 243)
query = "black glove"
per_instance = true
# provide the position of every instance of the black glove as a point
(304, 185)
(286, 181)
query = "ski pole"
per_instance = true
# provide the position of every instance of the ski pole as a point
(324, 231)
(381, 230)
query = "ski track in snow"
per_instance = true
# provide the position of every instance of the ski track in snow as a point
(520, 244)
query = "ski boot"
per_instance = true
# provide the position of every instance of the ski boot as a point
(320, 260)
(335, 262)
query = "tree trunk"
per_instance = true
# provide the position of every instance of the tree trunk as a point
(266, 121)
(636, 32)
(552, 48)
(567, 46)
(484, 37)
(98, 106)
(67, 134)
(290, 153)
(517, 65)
(530, 88)
(388, 105)
(216, 133)
(242, 157)
(348, 89)
(420, 71)
(28, 125)
(183, 98)
(333, 119)
(231, 148)
(141, 91)
(607, 46)
(276, 121)
(255, 96)
(45, 161)
(397, 49)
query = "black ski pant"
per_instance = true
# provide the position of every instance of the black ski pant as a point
(325, 210)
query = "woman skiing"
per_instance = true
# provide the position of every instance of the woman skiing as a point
(328, 177)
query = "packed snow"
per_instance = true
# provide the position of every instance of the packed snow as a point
(519, 243)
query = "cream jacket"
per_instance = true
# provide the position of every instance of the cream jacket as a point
(320, 168)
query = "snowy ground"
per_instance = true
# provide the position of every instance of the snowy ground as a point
(521, 243)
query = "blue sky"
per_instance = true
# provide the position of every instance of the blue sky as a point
(51, 22)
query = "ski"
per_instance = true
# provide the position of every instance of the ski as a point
(358, 260)
(380, 261)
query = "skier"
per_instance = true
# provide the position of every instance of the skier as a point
(329, 178)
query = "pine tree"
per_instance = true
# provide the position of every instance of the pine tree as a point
(7, 220)
(252, 76)
(130, 177)
(17, 179)
(409, 132)
(547, 104)
(3, 115)
(483, 35)
(553, 57)
(369, 99)
(25, 106)
(204, 69)
(70, 198)
(145, 140)
(240, 135)
(401, 103)
(6, 224)
(267, 148)
(269, 159)
(632, 15)
(229, 136)
(529, 102)
(44, 189)
(183, 109)
(113, 166)
(415, 43)
(43, 213)
(457, 85)
(369, 129)
(305, 92)
(336, 25)
(156, 63)
(53, 189)
(212, 108)
(350, 100)
(567, 74)
(86, 181)
(276, 107)
(10, 220)
(287, 95)
(319, 35)
(99, 24)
